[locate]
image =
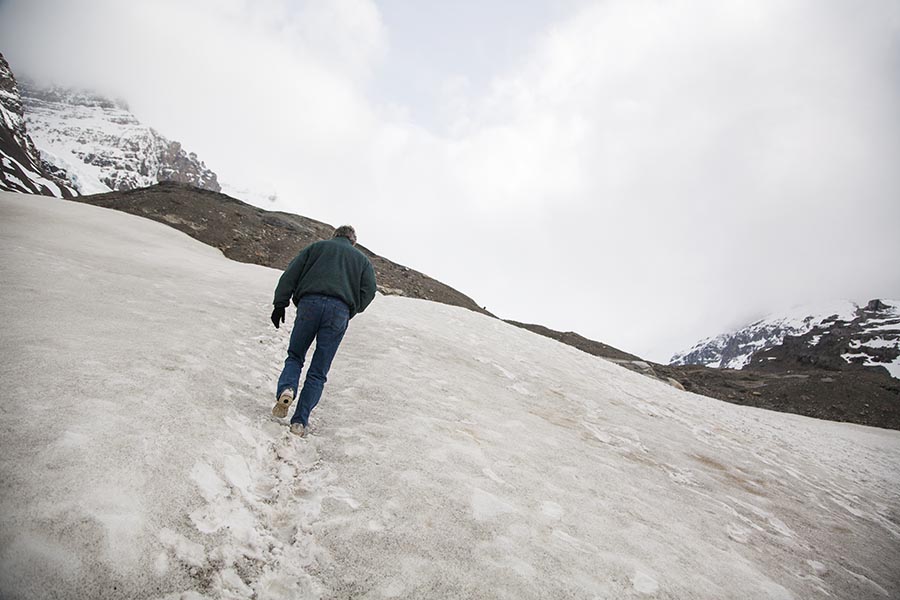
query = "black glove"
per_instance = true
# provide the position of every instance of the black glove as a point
(277, 315)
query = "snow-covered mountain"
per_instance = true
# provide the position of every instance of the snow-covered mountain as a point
(453, 455)
(21, 167)
(62, 142)
(102, 146)
(870, 338)
(872, 329)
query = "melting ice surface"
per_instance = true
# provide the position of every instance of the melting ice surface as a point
(453, 456)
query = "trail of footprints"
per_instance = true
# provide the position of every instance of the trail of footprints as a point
(252, 537)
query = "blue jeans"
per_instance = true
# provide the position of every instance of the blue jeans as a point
(320, 318)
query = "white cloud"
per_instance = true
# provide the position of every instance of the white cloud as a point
(257, 88)
(697, 162)
(645, 173)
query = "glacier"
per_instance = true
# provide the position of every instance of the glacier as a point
(452, 455)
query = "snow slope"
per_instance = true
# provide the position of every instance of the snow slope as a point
(454, 456)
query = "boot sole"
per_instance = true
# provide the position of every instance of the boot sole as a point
(280, 410)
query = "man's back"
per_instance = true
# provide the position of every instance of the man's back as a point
(332, 268)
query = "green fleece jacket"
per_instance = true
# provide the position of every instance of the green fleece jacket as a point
(330, 267)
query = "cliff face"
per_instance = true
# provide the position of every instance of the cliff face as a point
(21, 166)
(102, 146)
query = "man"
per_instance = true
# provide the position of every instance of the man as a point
(330, 282)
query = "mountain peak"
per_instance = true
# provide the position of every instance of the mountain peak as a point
(70, 96)
(101, 146)
(832, 336)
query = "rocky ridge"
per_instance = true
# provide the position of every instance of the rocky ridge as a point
(250, 234)
(834, 337)
(869, 339)
(21, 166)
(733, 350)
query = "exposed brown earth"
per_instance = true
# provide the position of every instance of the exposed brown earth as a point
(579, 341)
(249, 234)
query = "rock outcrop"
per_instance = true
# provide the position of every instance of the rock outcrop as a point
(21, 166)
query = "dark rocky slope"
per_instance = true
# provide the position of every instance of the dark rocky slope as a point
(867, 340)
(578, 341)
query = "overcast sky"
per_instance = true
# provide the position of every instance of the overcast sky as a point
(645, 173)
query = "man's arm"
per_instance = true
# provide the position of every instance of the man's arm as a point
(367, 287)
(288, 282)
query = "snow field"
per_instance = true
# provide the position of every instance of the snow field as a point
(452, 455)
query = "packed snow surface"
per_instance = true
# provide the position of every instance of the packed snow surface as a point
(452, 455)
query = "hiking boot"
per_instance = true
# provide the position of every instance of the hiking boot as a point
(298, 429)
(283, 403)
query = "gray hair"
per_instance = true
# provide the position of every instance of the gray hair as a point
(346, 231)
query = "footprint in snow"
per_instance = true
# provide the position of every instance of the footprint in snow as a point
(251, 537)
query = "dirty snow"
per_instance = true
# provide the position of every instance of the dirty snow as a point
(453, 456)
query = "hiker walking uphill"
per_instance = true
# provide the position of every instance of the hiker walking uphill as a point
(330, 282)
